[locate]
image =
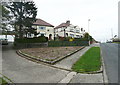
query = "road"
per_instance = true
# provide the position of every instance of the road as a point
(21, 70)
(110, 56)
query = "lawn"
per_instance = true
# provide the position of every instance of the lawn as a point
(89, 62)
(2, 81)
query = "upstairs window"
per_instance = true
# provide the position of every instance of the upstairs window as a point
(77, 31)
(71, 30)
(42, 28)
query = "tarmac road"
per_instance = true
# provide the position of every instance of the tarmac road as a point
(110, 56)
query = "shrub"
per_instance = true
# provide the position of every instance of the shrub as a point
(67, 43)
(80, 39)
(31, 40)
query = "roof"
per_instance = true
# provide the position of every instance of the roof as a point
(42, 23)
(63, 25)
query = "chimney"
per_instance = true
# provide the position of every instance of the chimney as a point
(68, 22)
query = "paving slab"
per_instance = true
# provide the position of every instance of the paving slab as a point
(87, 78)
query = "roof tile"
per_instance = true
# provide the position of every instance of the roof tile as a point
(42, 23)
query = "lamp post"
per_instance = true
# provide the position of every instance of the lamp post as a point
(88, 32)
(88, 24)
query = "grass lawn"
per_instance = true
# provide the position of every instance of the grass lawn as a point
(89, 62)
(2, 81)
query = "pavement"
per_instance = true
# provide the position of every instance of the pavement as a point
(69, 61)
(21, 70)
(78, 77)
(110, 57)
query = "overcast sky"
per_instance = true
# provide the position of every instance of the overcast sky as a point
(103, 15)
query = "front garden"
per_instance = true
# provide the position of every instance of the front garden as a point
(50, 54)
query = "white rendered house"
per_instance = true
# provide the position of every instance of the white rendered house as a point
(69, 30)
(44, 29)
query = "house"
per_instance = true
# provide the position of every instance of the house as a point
(69, 30)
(44, 29)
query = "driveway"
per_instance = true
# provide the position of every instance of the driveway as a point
(110, 56)
(21, 70)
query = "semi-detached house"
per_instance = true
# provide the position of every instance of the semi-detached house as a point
(44, 28)
(63, 30)
(69, 30)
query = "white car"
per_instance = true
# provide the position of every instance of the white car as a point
(4, 41)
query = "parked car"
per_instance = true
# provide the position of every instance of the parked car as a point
(4, 41)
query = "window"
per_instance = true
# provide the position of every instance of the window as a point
(77, 31)
(42, 28)
(42, 34)
(72, 35)
(71, 30)
(81, 29)
(77, 36)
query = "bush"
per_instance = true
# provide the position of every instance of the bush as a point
(67, 38)
(67, 43)
(31, 40)
(80, 39)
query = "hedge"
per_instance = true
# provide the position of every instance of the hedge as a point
(80, 39)
(31, 40)
(67, 43)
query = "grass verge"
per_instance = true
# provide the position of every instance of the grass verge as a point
(89, 62)
(2, 81)
(117, 42)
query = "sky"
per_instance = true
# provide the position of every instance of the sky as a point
(103, 15)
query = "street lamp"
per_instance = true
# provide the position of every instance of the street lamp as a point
(88, 24)
(88, 32)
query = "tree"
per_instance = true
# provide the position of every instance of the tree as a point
(87, 36)
(5, 19)
(25, 15)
